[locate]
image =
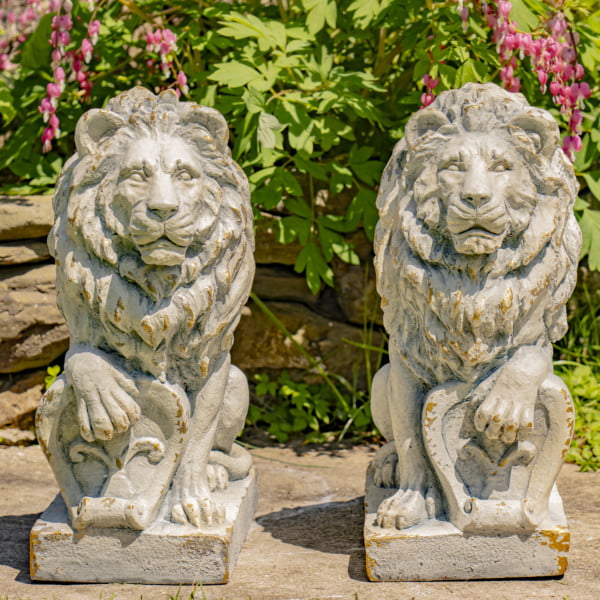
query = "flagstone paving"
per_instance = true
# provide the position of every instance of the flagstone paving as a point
(306, 542)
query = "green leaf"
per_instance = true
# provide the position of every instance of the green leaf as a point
(36, 50)
(308, 166)
(254, 100)
(589, 221)
(234, 74)
(298, 206)
(362, 208)
(293, 227)
(310, 260)
(7, 108)
(317, 14)
(467, 73)
(269, 131)
(593, 181)
(526, 20)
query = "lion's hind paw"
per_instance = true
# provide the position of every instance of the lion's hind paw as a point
(217, 477)
(385, 465)
(402, 510)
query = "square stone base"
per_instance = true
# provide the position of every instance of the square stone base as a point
(436, 550)
(166, 553)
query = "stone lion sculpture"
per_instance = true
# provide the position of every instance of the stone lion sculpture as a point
(476, 255)
(153, 242)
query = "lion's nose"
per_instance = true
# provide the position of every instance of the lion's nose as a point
(163, 208)
(163, 205)
(476, 189)
(475, 199)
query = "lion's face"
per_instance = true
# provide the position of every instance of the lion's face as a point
(161, 200)
(478, 175)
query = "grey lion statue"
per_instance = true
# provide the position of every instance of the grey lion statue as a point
(476, 255)
(153, 242)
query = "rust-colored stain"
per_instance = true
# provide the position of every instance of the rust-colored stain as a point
(34, 541)
(204, 367)
(108, 502)
(190, 315)
(541, 286)
(429, 418)
(557, 540)
(370, 564)
(507, 302)
(211, 298)
(561, 565)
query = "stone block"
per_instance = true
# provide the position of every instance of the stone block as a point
(20, 398)
(32, 329)
(21, 252)
(437, 550)
(165, 553)
(25, 217)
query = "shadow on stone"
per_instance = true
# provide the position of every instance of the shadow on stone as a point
(14, 543)
(332, 527)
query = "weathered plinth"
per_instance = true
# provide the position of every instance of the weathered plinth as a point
(165, 553)
(436, 550)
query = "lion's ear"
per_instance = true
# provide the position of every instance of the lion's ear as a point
(93, 127)
(541, 129)
(423, 122)
(210, 119)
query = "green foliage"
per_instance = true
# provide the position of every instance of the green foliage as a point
(579, 367)
(316, 92)
(52, 372)
(285, 406)
(584, 383)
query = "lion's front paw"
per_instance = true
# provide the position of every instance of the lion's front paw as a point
(506, 419)
(405, 509)
(199, 511)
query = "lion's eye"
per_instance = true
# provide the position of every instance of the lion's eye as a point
(452, 166)
(184, 175)
(501, 167)
(136, 176)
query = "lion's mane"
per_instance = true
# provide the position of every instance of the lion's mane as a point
(457, 317)
(174, 323)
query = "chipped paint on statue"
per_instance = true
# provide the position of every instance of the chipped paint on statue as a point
(154, 245)
(476, 255)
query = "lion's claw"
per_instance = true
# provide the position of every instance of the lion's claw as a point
(409, 507)
(218, 477)
(200, 512)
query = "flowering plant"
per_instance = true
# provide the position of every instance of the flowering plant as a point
(316, 92)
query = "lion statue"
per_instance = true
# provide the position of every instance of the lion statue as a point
(476, 255)
(153, 242)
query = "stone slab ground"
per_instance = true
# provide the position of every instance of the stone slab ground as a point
(306, 542)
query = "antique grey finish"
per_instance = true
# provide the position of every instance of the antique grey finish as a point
(154, 245)
(476, 255)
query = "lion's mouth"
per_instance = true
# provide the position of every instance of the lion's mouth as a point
(162, 251)
(478, 231)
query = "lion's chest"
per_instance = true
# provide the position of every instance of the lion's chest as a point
(454, 329)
